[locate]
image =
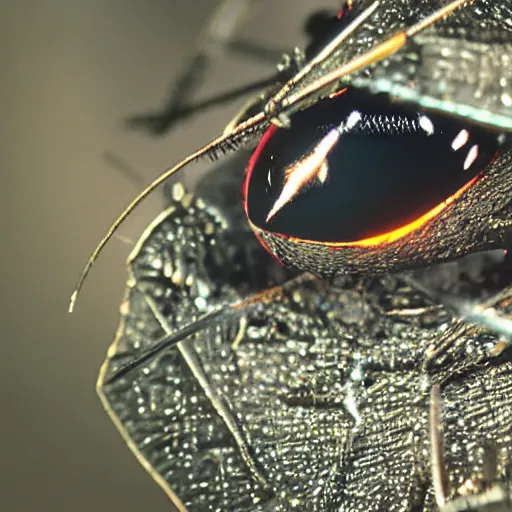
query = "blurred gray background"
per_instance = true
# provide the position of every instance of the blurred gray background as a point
(71, 72)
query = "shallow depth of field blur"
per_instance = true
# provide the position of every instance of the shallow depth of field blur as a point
(72, 72)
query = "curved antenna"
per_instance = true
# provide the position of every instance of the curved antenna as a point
(211, 147)
(228, 141)
(215, 144)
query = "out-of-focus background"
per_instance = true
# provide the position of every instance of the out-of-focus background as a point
(72, 72)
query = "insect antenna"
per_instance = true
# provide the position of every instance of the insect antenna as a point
(327, 51)
(273, 111)
(222, 312)
(376, 54)
(222, 144)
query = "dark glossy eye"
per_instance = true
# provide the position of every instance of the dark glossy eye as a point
(356, 166)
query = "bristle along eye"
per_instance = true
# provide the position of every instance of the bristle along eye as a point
(357, 167)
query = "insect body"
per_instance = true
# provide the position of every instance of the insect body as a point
(317, 397)
(313, 82)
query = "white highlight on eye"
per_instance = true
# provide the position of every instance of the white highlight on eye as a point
(426, 124)
(471, 157)
(461, 138)
(303, 171)
(353, 118)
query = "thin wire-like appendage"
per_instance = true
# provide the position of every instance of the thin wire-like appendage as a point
(439, 477)
(168, 341)
(376, 54)
(235, 308)
(214, 396)
(323, 54)
(229, 141)
(215, 143)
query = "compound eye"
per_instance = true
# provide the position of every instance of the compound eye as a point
(357, 167)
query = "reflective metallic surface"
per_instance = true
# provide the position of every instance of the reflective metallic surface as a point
(317, 401)
(319, 398)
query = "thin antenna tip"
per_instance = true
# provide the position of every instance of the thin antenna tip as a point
(72, 301)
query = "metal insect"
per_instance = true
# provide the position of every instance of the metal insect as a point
(314, 395)
(315, 80)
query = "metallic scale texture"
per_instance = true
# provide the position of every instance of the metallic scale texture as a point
(318, 399)
(328, 387)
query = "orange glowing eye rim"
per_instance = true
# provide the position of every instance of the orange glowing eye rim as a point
(390, 236)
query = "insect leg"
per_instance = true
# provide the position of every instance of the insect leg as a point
(220, 314)
(217, 37)
(189, 354)
(439, 476)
